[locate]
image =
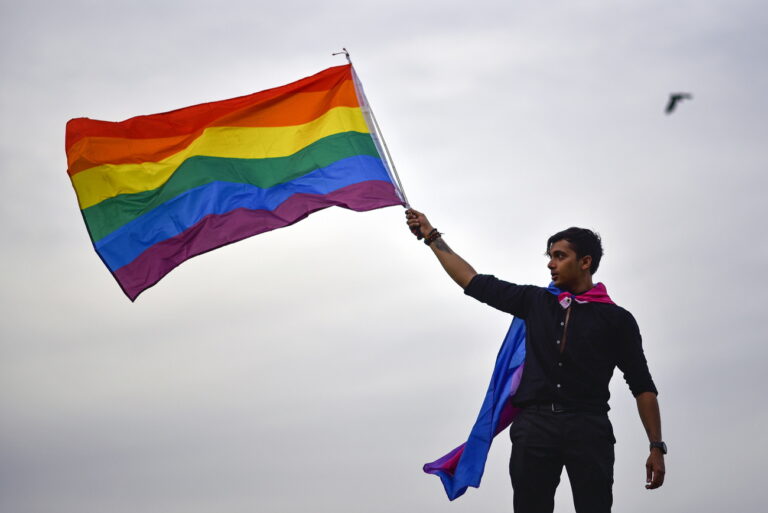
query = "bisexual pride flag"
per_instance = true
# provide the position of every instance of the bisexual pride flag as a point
(464, 466)
(157, 190)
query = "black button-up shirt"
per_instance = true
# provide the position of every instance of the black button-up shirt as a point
(596, 338)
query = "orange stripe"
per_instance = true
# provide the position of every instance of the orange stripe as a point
(290, 109)
(294, 109)
(192, 119)
(93, 151)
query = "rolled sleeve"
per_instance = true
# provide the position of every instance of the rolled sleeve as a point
(632, 360)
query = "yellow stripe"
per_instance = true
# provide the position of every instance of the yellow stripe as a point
(96, 184)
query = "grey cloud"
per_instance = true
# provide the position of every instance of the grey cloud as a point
(319, 366)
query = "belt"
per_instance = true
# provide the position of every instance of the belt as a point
(557, 407)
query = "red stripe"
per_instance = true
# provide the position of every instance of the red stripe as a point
(286, 110)
(191, 119)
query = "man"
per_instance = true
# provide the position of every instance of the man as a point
(574, 341)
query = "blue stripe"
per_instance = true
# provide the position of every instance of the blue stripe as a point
(122, 246)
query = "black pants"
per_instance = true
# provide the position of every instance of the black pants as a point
(543, 442)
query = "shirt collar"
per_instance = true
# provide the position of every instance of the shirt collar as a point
(597, 294)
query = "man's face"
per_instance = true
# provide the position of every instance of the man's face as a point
(564, 266)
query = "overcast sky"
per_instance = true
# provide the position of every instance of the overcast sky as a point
(317, 367)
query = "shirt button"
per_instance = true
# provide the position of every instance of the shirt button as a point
(561, 323)
(559, 364)
(558, 341)
(558, 385)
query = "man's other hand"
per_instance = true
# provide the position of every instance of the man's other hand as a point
(654, 470)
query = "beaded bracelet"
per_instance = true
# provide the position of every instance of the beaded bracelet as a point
(432, 237)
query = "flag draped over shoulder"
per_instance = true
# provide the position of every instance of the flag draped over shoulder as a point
(156, 190)
(464, 466)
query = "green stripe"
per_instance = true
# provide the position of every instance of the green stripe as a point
(109, 215)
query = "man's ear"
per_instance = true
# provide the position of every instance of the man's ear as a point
(586, 262)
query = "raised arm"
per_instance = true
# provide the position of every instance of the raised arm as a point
(456, 267)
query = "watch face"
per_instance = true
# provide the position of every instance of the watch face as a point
(660, 445)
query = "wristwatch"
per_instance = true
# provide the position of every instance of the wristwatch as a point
(659, 445)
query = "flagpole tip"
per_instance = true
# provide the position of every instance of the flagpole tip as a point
(345, 53)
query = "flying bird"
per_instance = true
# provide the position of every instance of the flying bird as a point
(674, 99)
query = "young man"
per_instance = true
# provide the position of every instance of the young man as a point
(574, 341)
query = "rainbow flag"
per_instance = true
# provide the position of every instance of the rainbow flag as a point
(157, 190)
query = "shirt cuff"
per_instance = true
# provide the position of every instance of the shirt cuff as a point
(473, 285)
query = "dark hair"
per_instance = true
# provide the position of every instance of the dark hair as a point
(583, 241)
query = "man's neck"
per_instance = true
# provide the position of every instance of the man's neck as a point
(581, 287)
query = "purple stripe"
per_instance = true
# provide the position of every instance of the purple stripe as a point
(215, 231)
(509, 412)
(447, 463)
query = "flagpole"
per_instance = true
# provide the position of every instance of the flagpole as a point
(378, 135)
